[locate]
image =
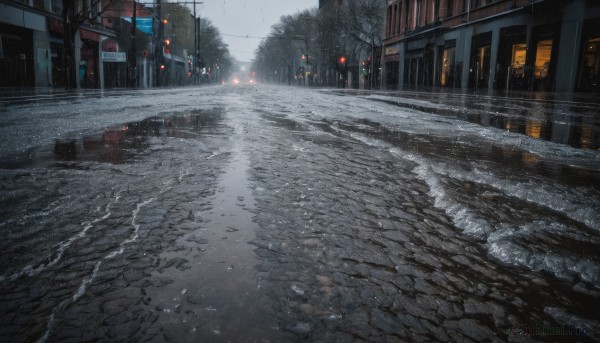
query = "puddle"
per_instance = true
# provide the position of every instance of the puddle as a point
(120, 143)
(576, 125)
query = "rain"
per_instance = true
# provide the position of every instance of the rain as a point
(227, 214)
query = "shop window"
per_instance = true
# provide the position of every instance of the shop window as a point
(480, 67)
(519, 54)
(447, 67)
(542, 58)
(590, 73)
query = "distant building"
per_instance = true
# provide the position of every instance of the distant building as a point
(31, 44)
(539, 45)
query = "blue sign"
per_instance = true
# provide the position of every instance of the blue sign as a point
(144, 24)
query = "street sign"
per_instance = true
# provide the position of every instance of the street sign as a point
(142, 24)
(110, 56)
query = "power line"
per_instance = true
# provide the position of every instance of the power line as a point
(240, 36)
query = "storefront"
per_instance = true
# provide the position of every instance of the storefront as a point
(114, 63)
(391, 63)
(447, 65)
(16, 56)
(542, 60)
(589, 66)
(88, 64)
(55, 28)
(479, 70)
(512, 71)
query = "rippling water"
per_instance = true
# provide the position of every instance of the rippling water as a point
(324, 217)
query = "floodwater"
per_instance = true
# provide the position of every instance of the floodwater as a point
(263, 214)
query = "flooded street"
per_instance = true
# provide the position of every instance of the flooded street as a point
(265, 214)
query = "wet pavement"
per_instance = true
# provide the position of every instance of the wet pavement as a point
(264, 214)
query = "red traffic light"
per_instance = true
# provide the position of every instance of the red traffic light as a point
(342, 60)
(162, 67)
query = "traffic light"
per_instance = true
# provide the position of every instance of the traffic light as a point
(342, 60)
(167, 46)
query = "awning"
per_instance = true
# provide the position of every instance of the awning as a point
(89, 35)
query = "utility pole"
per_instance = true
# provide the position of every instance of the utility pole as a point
(158, 56)
(372, 62)
(194, 65)
(197, 32)
(133, 50)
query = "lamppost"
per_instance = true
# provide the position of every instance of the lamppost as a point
(133, 67)
(196, 43)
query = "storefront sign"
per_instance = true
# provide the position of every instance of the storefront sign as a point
(416, 45)
(55, 25)
(109, 56)
(392, 50)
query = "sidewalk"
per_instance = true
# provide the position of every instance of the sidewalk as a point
(593, 98)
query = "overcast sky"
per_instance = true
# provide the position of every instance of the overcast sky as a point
(248, 18)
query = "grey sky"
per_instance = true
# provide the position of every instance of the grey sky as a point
(248, 18)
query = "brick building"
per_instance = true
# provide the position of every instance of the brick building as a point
(539, 45)
(31, 43)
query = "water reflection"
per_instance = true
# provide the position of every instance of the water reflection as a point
(560, 120)
(118, 144)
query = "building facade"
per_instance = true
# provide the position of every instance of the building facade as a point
(537, 45)
(31, 44)
(32, 53)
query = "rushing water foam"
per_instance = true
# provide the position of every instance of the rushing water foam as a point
(502, 239)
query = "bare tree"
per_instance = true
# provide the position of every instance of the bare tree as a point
(363, 22)
(74, 14)
(295, 36)
(348, 27)
(214, 52)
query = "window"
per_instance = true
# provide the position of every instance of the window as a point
(519, 53)
(57, 6)
(388, 21)
(399, 17)
(542, 58)
(447, 67)
(418, 14)
(450, 9)
(407, 15)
